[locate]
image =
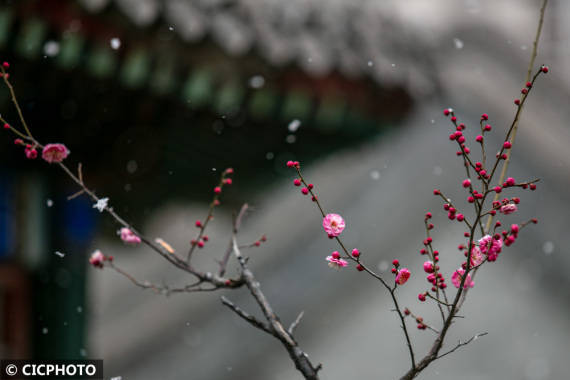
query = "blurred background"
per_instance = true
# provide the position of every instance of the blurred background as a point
(156, 97)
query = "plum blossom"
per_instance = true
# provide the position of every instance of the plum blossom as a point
(490, 246)
(402, 276)
(333, 224)
(31, 153)
(336, 263)
(101, 204)
(55, 153)
(477, 256)
(97, 258)
(128, 236)
(457, 276)
(508, 208)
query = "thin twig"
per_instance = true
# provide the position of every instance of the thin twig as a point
(515, 122)
(291, 329)
(248, 317)
(298, 356)
(237, 224)
(461, 344)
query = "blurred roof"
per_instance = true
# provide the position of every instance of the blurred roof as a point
(356, 38)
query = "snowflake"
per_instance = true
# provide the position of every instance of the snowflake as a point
(101, 204)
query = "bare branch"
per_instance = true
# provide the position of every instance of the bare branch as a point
(249, 318)
(295, 323)
(163, 289)
(298, 356)
(515, 124)
(461, 344)
(237, 223)
(75, 195)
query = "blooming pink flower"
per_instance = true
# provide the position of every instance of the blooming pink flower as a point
(402, 276)
(476, 256)
(457, 276)
(31, 153)
(97, 259)
(333, 224)
(54, 153)
(129, 237)
(509, 208)
(428, 267)
(336, 263)
(490, 246)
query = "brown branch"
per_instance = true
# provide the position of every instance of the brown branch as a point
(514, 126)
(204, 224)
(299, 358)
(291, 329)
(249, 318)
(15, 102)
(164, 289)
(357, 260)
(433, 354)
(461, 344)
(237, 224)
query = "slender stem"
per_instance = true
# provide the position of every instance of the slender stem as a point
(15, 101)
(366, 269)
(274, 325)
(514, 127)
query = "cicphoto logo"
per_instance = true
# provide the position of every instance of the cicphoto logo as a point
(54, 369)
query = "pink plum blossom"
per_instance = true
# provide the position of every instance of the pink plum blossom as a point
(55, 153)
(402, 276)
(333, 224)
(97, 258)
(477, 256)
(457, 276)
(429, 267)
(490, 246)
(509, 208)
(128, 236)
(31, 153)
(336, 263)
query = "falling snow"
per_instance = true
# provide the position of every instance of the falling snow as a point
(458, 43)
(548, 247)
(60, 254)
(51, 48)
(375, 175)
(101, 204)
(115, 43)
(49, 203)
(290, 139)
(383, 266)
(132, 166)
(294, 125)
(256, 81)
